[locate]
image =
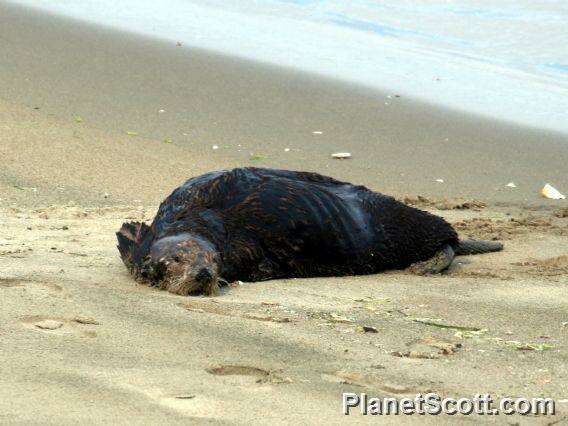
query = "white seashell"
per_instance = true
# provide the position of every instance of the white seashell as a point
(317, 132)
(215, 147)
(511, 185)
(440, 180)
(551, 192)
(341, 155)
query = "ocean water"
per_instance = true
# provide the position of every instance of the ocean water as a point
(506, 59)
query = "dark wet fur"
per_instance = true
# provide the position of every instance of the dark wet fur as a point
(268, 223)
(134, 242)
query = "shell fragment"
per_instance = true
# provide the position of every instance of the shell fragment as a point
(551, 192)
(341, 155)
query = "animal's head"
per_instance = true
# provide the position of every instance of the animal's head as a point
(185, 264)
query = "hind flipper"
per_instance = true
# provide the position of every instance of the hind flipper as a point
(466, 247)
(436, 264)
(134, 240)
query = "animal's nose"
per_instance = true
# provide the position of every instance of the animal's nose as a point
(203, 276)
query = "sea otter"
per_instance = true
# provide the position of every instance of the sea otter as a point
(254, 224)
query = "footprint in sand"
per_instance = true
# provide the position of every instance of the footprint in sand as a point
(7, 282)
(48, 324)
(352, 378)
(61, 326)
(237, 370)
(260, 375)
(10, 282)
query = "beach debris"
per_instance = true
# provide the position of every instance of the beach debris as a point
(215, 147)
(317, 132)
(78, 119)
(86, 320)
(161, 111)
(235, 284)
(460, 204)
(268, 318)
(49, 324)
(551, 192)
(332, 317)
(131, 133)
(366, 329)
(184, 396)
(25, 188)
(237, 370)
(168, 140)
(550, 267)
(429, 349)
(348, 378)
(269, 303)
(280, 380)
(445, 347)
(519, 346)
(470, 334)
(256, 157)
(562, 214)
(445, 204)
(435, 322)
(179, 44)
(511, 185)
(439, 180)
(372, 304)
(341, 155)
(286, 149)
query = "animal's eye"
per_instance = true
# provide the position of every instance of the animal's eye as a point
(176, 258)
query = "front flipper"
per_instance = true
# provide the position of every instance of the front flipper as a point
(436, 264)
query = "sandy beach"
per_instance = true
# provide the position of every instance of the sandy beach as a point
(97, 127)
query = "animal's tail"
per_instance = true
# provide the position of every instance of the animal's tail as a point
(465, 247)
(133, 244)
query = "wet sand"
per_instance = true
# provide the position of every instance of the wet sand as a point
(279, 351)
(120, 82)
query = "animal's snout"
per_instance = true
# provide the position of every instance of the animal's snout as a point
(203, 276)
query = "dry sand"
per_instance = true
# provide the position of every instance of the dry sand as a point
(81, 342)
